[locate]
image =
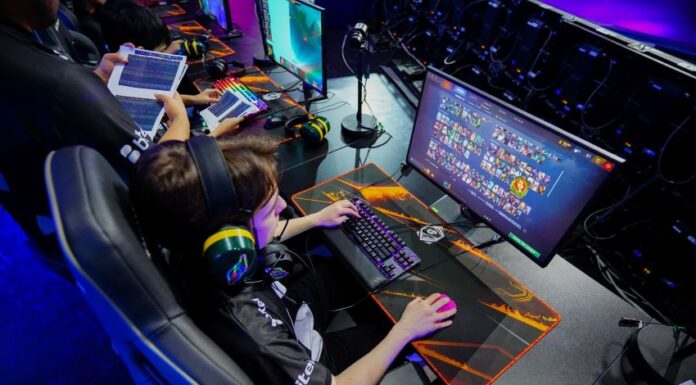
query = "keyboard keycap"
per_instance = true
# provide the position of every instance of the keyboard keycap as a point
(387, 251)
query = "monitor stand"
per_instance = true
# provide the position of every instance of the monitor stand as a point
(467, 222)
(233, 33)
(264, 61)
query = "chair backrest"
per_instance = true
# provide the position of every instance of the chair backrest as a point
(98, 235)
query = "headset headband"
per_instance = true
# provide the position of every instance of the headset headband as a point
(218, 188)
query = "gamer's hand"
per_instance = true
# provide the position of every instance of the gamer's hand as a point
(209, 96)
(174, 47)
(335, 214)
(173, 107)
(228, 126)
(107, 64)
(421, 317)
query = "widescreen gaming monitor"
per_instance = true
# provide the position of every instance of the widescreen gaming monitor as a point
(219, 11)
(293, 36)
(528, 180)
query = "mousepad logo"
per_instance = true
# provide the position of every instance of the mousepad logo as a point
(431, 234)
(271, 96)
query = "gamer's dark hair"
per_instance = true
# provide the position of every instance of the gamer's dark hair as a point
(168, 195)
(125, 21)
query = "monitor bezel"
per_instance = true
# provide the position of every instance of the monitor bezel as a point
(322, 10)
(544, 259)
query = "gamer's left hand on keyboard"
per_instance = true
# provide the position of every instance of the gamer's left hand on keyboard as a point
(335, 214)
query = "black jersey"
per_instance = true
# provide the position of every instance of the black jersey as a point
(47, 102)
(260, 337)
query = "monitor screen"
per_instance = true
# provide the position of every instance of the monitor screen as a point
(217, 9)
(293, 37)
(527, 179)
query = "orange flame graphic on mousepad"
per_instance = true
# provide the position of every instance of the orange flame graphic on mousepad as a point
(498, 318)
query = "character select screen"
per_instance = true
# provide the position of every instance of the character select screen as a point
(525, 178)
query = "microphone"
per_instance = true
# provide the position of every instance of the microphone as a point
(358, 35)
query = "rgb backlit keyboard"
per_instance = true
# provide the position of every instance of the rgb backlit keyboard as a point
(385, 249)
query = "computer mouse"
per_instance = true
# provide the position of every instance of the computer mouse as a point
(449, 305)
(274, 121)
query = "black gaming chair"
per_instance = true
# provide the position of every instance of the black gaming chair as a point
(96, 229)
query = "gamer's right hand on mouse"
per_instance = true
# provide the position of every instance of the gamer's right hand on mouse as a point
(228, 126)
(421, 317)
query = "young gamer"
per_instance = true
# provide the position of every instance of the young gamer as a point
(214, 203)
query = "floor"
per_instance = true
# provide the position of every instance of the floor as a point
(49, 334)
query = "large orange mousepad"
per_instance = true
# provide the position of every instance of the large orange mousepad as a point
(498, 318)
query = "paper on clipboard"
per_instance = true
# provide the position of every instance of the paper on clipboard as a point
(230, 105)
(136, 83)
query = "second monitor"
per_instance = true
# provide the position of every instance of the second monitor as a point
(220, 13)
(293, 36)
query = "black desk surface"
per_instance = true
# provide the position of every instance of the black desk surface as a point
(585, 346)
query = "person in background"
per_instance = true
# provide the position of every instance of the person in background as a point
(87, 12)
(47, 101)
(125, 21)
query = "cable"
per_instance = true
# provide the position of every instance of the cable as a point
(408, 52)
(330, 107)
(607, 210)
(461, 68)
(287, 89)
(558, 76)
(541, 50)
(609, 274)
(343, 54)
(265, 115)
(621, 112)
(610, 279)
(662, 152)
(593, 93)
(495, 41)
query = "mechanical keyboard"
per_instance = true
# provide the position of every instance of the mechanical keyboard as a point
(385, 249)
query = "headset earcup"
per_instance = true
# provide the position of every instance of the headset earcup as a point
(216, 68)
(194, 48)
(278, 262)
(315, 130)
(230, 255)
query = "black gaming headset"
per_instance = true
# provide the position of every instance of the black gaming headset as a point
(197, 48)
(230, 253)
(313, 130)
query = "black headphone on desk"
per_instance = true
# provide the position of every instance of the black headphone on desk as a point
(197, 48)
(230, 254)
(313, 130)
